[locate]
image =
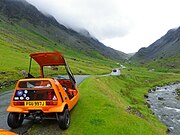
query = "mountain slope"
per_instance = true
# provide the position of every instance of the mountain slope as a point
(165, 52)
(16, 43)
(30, 18)
(25, 30)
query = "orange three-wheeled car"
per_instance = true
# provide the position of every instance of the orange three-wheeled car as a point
(44, 97)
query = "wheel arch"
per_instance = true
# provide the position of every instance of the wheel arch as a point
(66, 107)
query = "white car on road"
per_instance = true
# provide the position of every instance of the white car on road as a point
(115, 72)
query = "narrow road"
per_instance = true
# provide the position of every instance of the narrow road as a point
(5, 98)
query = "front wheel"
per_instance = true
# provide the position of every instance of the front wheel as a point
(15, 120)
(64, 119)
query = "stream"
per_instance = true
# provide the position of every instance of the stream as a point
(166, 107)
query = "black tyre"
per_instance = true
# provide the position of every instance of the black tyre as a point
(64, 119)
(15, 120)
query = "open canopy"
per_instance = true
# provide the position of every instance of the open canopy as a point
(49, 58)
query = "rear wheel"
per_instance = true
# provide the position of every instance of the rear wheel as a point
(64, 119)
(15, 120)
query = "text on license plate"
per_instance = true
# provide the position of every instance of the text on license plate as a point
(35, 103)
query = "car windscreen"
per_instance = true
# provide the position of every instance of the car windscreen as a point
(34, 90)
(35, 84)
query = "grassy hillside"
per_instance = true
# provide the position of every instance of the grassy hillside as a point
(113, 105)
(163, 54)
(46, 27)
(16, 43)
(171, 64)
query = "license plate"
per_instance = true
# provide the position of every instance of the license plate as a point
(35, 103)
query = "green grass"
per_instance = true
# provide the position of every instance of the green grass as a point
(168, 64)
(114, 105)
(16, 43)
(102, 108)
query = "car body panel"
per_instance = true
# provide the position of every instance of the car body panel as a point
(6, 132)
(61, 95)
(49, 58)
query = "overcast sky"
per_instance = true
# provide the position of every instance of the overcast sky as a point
(125, 25)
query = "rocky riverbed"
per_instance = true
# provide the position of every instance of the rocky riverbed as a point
(166, 106)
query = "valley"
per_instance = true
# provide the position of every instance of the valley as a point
(108, 104)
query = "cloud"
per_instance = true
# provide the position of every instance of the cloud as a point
(125, 25)
(100, 17)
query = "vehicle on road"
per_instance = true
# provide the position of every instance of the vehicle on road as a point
(42, 97)
(115, 72)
